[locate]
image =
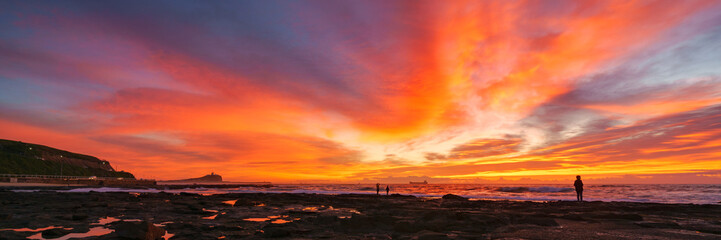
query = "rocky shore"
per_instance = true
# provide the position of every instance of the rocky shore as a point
(96, 215)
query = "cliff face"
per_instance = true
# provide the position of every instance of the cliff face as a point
(26, 158)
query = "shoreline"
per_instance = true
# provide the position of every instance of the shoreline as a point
(28, 184)
(350, 216)
(32, 180)
(213, 189)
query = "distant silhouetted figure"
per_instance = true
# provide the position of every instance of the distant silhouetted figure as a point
(378, 189)
(579, 188)
(388, 190)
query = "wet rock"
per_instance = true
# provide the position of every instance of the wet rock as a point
(326, 219)
(396, 195)
(433, 214)
(207, 228)
(486, 220)
(357, 223)
(80, 228)
(453, 197)
(516, 227)
(187, 235)
(377, 236)
(138, 230)
(380, 218)
(195, 208)
(55, 233)
(227, 227)
(438, 225)
(705, 228)
(14, 235)
(245, 203)
(618, 216)
(573, 216)
(183, 226)
(429, 235)
(275, 232)
(658, 224)
(540, 221)
(408, 226)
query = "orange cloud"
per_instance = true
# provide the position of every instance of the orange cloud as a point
(340, 92)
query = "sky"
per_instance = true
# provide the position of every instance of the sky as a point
(332, 91)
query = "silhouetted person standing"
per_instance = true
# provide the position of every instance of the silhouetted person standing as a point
(388, 190)
(378, 189)
(579, 188)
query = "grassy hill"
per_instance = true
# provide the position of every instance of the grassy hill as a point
(26, 158)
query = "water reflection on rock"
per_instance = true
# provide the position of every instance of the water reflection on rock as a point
(94, 232)
(313, 216)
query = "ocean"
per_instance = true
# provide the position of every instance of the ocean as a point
(658, 193)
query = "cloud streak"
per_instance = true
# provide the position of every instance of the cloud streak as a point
(343, 90)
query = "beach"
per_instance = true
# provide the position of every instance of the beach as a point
(118, 215)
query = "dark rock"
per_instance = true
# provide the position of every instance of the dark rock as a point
(701, 227)
(357, 223)
(408, 226)
(396, 195)
(435, 224)
(377, 236)
(138, 230)
(6, 216)
(78, 217)
(80, 228)
(573, 216)
(540, 221)
(429, 235)
(55, 233)
(379, 217)
(453, 197)
(516, 227)
(432, 215)
(494, 220)
(246, 203)
(207, 228)
(658, 224)
(324, 220)
(223, 227)
(14, 235)
(184, 226)
(195, 208)
(618, 216)
(275, 232)
(187, 235)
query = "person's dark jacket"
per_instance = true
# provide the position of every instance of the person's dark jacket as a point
(579, 185)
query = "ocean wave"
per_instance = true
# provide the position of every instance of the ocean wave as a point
(101, 189)
(614, 186)
(534, 189)
(698, 194)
